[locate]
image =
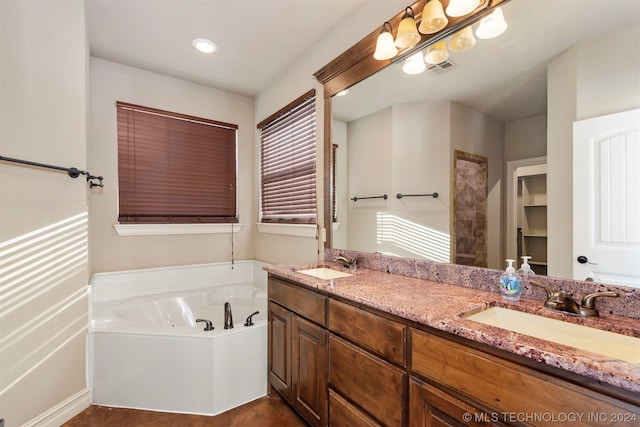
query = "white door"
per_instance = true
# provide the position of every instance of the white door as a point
(606, 199)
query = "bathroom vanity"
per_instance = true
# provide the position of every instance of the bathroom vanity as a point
(376, 348)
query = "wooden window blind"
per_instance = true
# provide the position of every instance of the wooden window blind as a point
(174, 168)
(288, 163)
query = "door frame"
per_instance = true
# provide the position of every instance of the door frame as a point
(511, 234)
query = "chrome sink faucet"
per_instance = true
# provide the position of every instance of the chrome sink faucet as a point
(559, 300)
(351, 264)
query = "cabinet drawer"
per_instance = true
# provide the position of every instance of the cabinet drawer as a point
(380, 335)
(429, 406)
(344, 414)
(307, 303)
(505, 386)
(375, 385)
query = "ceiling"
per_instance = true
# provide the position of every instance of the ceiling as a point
(258, 39)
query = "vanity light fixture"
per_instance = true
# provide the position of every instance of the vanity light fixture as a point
(385, 46)
(493, 25)
(462, 7)
(433, 18)
(462, 41)
(437, 53)
(204, 45)
(414, 64)
(408, 35)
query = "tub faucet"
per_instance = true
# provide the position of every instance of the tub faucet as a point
(249, 321)
(563, 301)
(208, 324)
(228, 317)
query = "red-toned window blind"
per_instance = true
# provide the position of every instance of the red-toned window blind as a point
(288, 163)
(174, 168)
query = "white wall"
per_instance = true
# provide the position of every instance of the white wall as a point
(401, 150)
(111, 82)
(525, 138)
(369, 174)
(43, 213)
(591, 79)
(420, 142)
(339, 132)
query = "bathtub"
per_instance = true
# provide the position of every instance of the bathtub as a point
(145, 349)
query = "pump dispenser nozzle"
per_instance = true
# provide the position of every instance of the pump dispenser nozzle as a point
(525, 268)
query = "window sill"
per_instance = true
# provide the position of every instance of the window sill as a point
(167, 229)
(300, 230)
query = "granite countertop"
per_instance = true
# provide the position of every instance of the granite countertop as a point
(440, 306)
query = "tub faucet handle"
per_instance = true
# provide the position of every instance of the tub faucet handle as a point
(249, 321)
(208, 324)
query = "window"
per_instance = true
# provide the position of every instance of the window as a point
(288, 163)
(174, 168)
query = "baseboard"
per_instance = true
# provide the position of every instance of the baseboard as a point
(62, 412)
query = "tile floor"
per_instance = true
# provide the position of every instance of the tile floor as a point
(268, 411)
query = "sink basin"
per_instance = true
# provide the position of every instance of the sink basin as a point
(324, 273)
(606, 343)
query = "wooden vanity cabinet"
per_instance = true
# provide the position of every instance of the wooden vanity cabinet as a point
(341, 364)
(510, 392)
(367, 367)
(298, 349)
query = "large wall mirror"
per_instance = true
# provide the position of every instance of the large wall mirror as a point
(397, 133)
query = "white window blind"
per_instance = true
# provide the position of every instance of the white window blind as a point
(288, 164)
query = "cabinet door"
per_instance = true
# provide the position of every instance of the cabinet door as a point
(431, 407)
(280, 349)
(309, 360)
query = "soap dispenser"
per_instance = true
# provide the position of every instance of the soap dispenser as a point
(510, 283)
(525, 268)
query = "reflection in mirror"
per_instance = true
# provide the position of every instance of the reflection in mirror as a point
(509, 99)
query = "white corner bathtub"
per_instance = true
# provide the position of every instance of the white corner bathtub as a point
(145, 349)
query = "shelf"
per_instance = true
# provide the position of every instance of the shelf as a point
(532, 217)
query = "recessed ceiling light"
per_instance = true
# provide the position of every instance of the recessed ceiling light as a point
(204, 45)
(342, 92)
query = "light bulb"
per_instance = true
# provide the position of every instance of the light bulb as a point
(433, 18)
(204, 45)
(462, 7)
(408, 35)
(493, 25)
(462, 41)
(437, 53)
(385, 46)
(414, 64)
